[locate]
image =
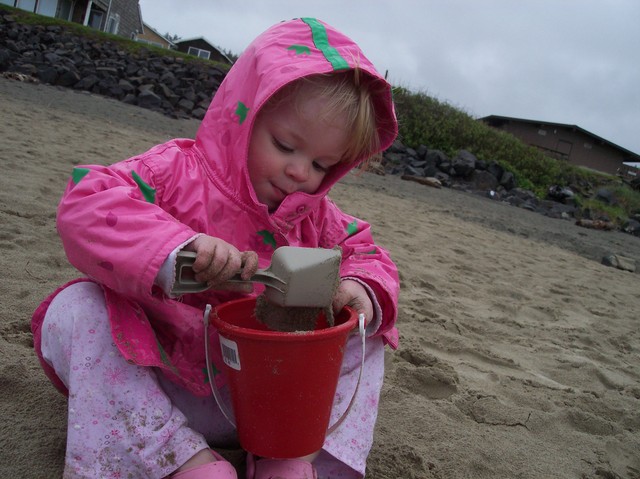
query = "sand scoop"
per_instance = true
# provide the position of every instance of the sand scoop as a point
(298, 277)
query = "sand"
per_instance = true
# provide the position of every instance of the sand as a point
(520, 352)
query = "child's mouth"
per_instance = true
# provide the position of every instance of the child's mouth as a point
(280, 193)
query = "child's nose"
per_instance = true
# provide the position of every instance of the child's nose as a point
(298, 170)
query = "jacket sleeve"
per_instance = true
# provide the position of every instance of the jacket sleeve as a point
(114, 228)
(364, 260)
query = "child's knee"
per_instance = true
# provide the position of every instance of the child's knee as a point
(76, 311)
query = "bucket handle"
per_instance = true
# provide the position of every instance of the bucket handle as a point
(228, 413)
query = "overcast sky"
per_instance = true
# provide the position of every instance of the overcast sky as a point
(562, 61)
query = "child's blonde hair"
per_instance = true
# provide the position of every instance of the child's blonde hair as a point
(348, 96)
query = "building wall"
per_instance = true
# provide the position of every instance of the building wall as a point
(152, 37)
(130, 20)
(568, 144)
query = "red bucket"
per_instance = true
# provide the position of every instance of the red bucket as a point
(282, 383)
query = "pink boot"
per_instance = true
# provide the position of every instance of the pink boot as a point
(220, 469)
(279, 468)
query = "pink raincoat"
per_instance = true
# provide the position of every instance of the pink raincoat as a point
(119, 223)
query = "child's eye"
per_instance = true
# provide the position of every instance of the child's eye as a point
(318, 167)
(281, 146)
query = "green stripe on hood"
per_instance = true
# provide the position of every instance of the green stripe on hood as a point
(321, 41)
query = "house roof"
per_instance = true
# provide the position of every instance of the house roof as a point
(561, 125)
(148, 27)
(184, 40)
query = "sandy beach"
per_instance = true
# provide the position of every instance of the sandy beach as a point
(519, 355)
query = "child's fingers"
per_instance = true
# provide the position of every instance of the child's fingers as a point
(225, 264)
(351, 293)
(249, 264)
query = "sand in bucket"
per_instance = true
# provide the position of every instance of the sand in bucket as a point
(282, 383)
(290, 319)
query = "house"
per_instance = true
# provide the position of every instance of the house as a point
(203, 49)
(152, 37)
(120, 17)
(566, 142)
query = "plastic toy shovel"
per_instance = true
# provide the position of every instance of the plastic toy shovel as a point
(301, 277)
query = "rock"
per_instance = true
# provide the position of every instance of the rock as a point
(393, 157)
(396, 147)
(47, 74)
(606, 196)
(436, 157)
(87, 83)
(25, 69)
(631, 226)
(412, 153)
(433, 182)
(495, 169)
(411, 170)
(443, 178)
(482, 180)
(168, 93)
(560, 193)
(185, 105)
(68, 77)
(148, 99)
(619, 262)
(553, 209)
(5, 58)
(422, 151)
(508, 181)
(126, 86)
(464, 163)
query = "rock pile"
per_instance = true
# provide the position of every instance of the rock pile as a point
(466, 172)
(57, 56)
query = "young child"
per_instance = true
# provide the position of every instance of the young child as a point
(300, 109)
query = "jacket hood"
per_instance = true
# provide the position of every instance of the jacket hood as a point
(284, 53)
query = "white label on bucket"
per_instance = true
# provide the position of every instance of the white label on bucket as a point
(230, 353)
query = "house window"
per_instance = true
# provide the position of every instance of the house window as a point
(113, 23)
(47, 7)
(199, 53)
(28, 5)
(542, 132)
(65, 9)
(588, 146)
(95, 19)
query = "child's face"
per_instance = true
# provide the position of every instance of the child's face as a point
(291, 149)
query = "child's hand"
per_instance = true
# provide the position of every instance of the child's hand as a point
(217, 261)
(351, 293)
